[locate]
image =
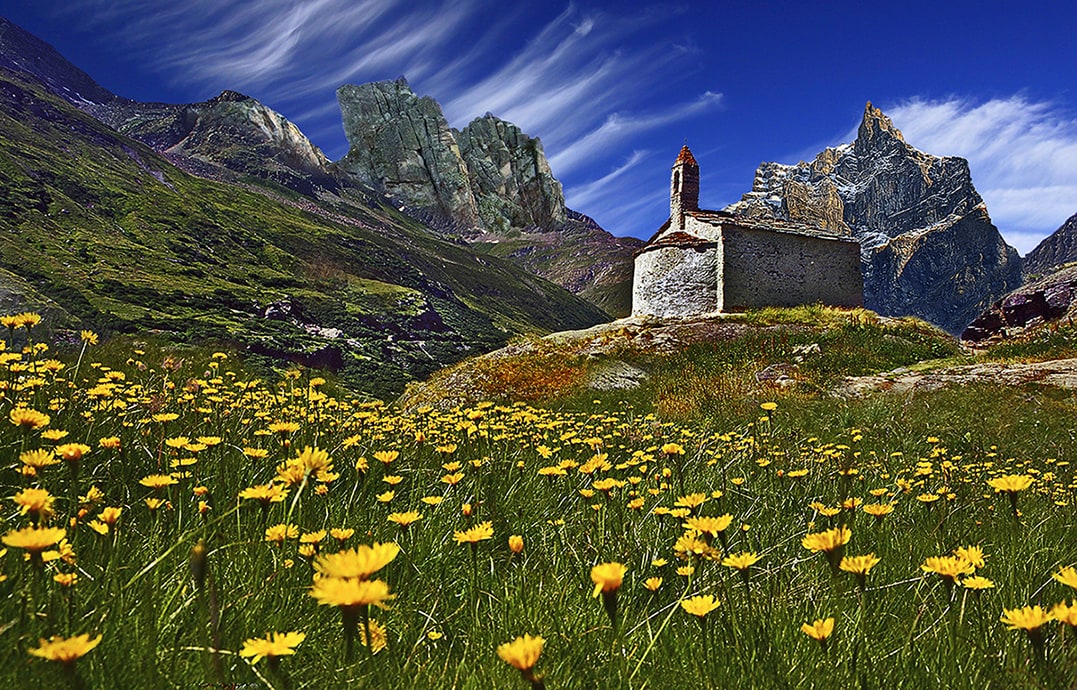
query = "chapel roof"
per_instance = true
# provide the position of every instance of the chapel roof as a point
(685, 156)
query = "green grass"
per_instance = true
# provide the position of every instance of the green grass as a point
(101, 232)
(906, 630)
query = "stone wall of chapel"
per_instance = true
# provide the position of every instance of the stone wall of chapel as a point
(676, 281)
(764, 268)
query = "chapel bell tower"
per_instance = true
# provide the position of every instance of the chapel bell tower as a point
(683, 188)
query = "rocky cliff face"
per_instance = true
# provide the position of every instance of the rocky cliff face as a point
(510, 177)
(1059, 248)
(928, 246)
(489, 184)
(401, 144)
(232, 131)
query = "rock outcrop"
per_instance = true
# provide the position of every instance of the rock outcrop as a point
(510, 177)
(929, 248)
(1050, 298)
(1058, 248)
(488, 184)
(233, 131)
(401, 144)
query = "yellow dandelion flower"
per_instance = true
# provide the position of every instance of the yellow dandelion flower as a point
(480, 532)
(278, 534)
(947, 567)
(65, 650)
(607, 577)
(828, 541)
(272, 645)
(25, 418)
(700, 606)
(977, 583)
(741, 561)
(1011, 483)
(1027, 618)
(653, 583)
(157, 481)
(1065, 614)
(357, 563)
(516, 543)
(820, 630)
(1067, 576)
(523, 652)
(350, 593)
(405, 519)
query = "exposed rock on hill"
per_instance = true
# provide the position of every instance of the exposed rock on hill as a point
(929, 248)
(488, 184)
(1043, 300)
(510, 177)
(401, 144)
(1058, 248)
(232, 130)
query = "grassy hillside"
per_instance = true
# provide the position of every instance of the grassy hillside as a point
(169, 517)
(110, 235)
(713, 368)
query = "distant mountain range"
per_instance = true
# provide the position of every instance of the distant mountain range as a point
(421, 245)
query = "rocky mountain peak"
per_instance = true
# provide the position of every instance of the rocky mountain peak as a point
(1059, 248)
(21, 51)
(928, 246)
(229, 96)
(876, 130)
(402, 145)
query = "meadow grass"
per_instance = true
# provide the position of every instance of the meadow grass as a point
(185, 575)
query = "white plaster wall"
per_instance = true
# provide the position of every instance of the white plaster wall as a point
(676, 282)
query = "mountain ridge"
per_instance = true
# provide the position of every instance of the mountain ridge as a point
(928, 245)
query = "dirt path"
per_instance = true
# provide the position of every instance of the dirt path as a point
(1055, 372)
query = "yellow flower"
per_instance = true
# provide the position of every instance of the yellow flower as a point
(709, 525)
(26, 418)
(405, 519)
(272, 645)
(607, 577)
(88, 337)
(523, 652)
(378, 638)
(36, 502)
(948, 567)
(314, 460)
(66, 579)
(827, 541)
(265, 493)
(1011, 483)
(109, 443)
(278, 534)
(34, 539)
(481, 531)
(700, 606)
(768, 406)
(516, 543)
(53, 434)
(858, 565)
(1027, 618)
(157, 481)
(691, 500)
(1067, 576)
(1065, 614)
(38, 458)
(65, 650)
(357, 563)
(977, 583)
(386, 456)
(673, 449)
(72, 452)
(973, 554)
(341, 534)
(740, 561)
(820, 630)
(653, 583)
(350, 593)
(879, 510)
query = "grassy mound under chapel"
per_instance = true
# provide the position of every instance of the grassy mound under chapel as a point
(153, 480)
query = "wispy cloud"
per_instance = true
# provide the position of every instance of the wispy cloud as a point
(1021, 153)
(587, 195)
(618, 127)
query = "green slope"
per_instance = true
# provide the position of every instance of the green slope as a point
(117, 238)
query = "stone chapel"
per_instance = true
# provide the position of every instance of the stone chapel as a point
(704, 262)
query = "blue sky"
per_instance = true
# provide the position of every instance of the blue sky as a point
(614, 88)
